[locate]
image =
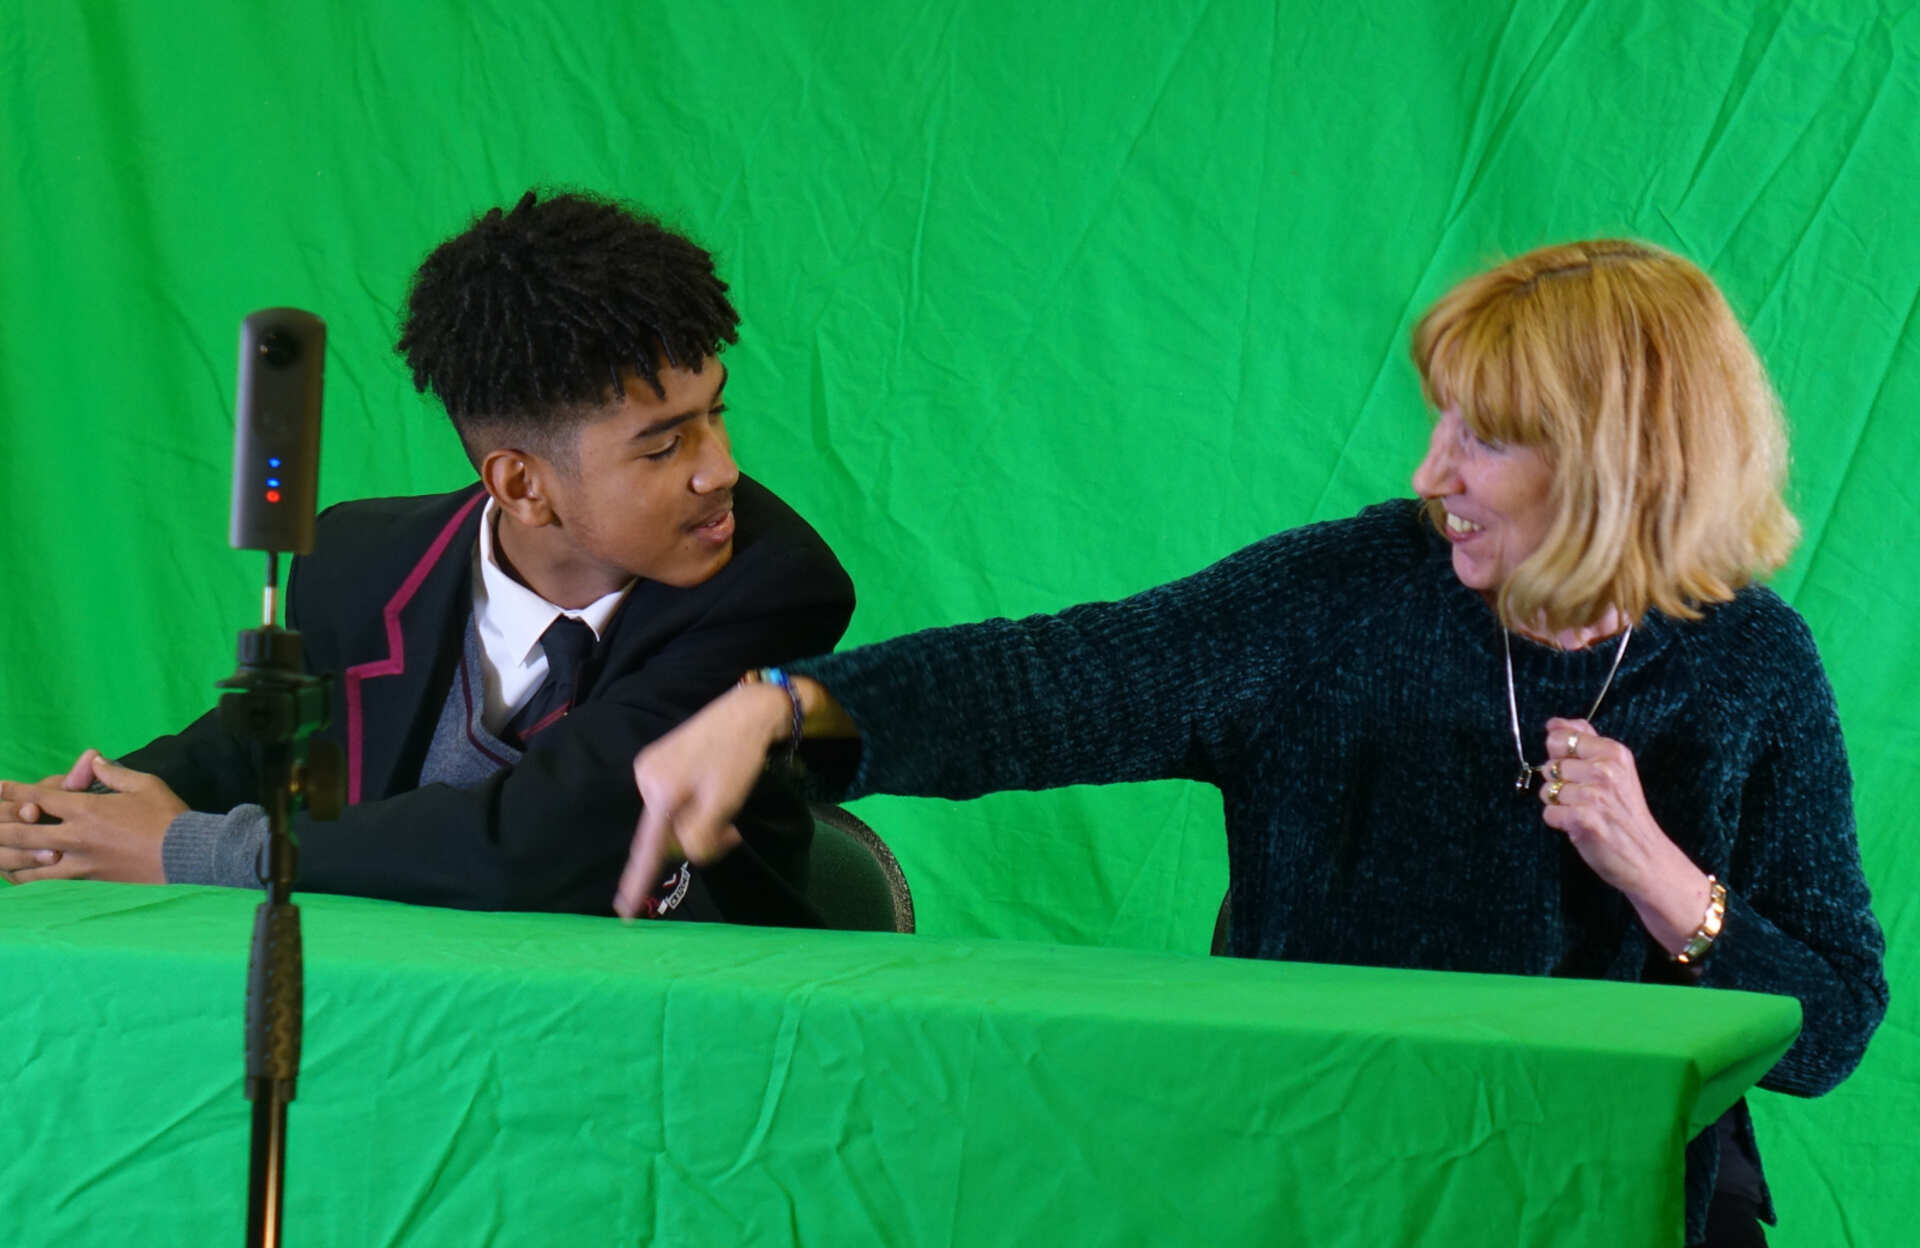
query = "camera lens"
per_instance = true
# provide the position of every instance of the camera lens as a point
(279, 348)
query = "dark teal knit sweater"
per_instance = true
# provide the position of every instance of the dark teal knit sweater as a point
(1347, 696)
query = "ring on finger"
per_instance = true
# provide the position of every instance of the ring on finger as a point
(1573, 745)
(1554, 771)
(1553, 792)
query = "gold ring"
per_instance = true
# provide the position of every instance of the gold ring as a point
(1554, 770)
(1553, 792)
(1573, 745)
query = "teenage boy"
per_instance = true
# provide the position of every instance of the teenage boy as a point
(501, 652)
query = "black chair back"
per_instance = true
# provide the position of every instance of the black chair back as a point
(855, 882)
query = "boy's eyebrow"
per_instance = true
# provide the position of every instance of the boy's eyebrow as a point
(673, 422)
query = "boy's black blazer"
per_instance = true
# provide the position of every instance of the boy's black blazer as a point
(383, 604)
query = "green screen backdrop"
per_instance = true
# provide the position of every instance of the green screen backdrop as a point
(1042, 303)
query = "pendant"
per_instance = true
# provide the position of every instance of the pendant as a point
(1524, 780)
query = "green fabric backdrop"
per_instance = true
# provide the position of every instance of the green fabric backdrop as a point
(1041, 303)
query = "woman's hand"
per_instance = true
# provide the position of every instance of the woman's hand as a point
(1591, 792)
(694, 780)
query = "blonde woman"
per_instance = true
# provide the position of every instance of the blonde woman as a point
(1564, 637)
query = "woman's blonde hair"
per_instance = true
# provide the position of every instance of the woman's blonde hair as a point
(1624, 366)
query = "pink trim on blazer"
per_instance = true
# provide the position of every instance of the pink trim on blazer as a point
(396, 661)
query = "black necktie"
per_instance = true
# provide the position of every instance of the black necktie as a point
(567, 642)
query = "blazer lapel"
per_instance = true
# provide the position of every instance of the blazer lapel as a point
(651, 615)
(393, 697)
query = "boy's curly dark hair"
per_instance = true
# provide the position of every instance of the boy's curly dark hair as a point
(523, 324)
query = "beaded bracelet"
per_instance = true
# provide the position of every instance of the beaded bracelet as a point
(1709, 929)
(774, 676)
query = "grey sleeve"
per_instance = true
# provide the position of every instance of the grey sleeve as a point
(203, 848)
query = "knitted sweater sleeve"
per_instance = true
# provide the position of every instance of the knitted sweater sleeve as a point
(1799, 921)
(1158, 685)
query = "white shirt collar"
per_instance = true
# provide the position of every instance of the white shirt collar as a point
(510, 618)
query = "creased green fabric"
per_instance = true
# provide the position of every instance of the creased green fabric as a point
(539, 1079)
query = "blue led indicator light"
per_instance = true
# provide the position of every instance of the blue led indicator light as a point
(273, 483)
(273, 461)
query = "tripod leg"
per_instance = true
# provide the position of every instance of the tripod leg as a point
(267, 1173)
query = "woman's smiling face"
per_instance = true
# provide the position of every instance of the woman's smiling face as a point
(1497, 499)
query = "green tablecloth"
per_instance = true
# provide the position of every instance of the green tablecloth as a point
(485, 1078)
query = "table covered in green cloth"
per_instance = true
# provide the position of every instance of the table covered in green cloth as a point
(504, 1079)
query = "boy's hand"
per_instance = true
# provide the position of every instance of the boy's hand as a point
(112, 836)
(21, 850)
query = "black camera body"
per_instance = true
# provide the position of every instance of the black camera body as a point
(276, 440)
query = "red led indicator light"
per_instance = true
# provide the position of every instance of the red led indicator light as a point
(273, 496)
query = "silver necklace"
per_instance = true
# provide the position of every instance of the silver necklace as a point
(1528, 771)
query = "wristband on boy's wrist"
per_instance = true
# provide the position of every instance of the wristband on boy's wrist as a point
(774, 676)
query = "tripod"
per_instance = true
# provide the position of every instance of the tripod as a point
(272, 706)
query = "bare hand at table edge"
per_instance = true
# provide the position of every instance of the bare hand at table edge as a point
(98, 836)
(21, 850)
(1592, 795)
(696, 778)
